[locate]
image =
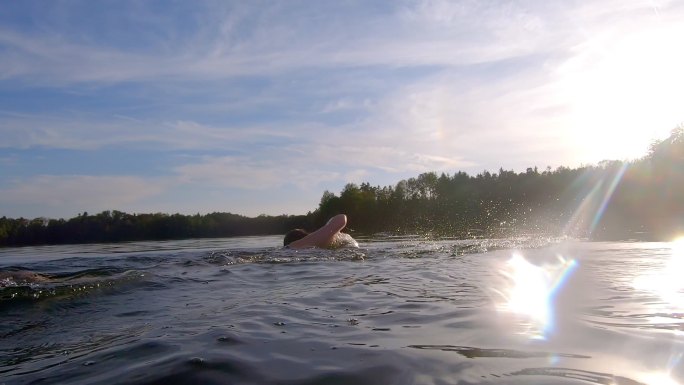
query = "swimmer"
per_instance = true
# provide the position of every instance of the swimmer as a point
(21, 277)
(327, 237)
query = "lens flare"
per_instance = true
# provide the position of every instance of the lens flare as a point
(583, 212)
(607, 196)
(532, 291)
(594, 203)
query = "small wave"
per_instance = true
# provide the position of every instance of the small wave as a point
(416, 247)
(472, 352)
(575, 374)
(63, 351)
(277, 256)
(32, 286)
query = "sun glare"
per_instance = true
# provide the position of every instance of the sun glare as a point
(667, 281)
(623, 91)
(659, 379)
(531, 291)
(678, 246)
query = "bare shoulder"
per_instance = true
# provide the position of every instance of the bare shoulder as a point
(343, 240)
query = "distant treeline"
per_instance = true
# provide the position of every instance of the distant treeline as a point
(641, 199)
(117, 226)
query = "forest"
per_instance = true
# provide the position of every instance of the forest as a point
(614, 200)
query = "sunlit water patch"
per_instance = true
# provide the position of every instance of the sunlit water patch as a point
(529, 290)
(664, 279)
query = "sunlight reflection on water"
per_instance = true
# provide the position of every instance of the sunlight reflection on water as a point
(659, 379)
(531, 291)
(666, 282)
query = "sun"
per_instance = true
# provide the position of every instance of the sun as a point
(622, 89)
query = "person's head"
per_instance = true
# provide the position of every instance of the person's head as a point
(294, 235)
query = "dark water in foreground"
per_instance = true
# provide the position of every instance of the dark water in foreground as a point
(395, 311)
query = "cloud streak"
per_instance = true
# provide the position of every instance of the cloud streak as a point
(243, 39)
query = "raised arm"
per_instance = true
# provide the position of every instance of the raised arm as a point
(322, 237)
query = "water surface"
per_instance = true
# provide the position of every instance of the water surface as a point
(397, 310)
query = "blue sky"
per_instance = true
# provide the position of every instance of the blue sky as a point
(257, 107)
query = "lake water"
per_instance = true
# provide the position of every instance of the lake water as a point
(395, 311)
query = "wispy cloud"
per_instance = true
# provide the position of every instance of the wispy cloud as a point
(253, 173)
(92, 133)
(243, 39)
(52, 193)
(298, 97)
